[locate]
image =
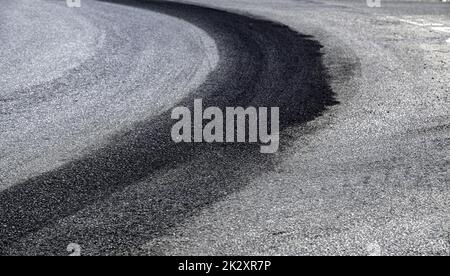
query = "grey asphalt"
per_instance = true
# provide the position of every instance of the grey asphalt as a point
(85, 99)
(70, 78)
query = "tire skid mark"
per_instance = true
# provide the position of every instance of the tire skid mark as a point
(262, 63)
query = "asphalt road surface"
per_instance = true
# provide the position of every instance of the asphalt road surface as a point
(86, 156)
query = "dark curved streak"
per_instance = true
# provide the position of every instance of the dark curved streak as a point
(261, 64)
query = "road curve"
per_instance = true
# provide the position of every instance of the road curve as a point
(70, 78)
(370, 176)
(113, 199)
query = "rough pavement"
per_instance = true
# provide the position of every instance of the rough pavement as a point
(372, 172)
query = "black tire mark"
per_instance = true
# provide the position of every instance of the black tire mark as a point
(262, 63)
